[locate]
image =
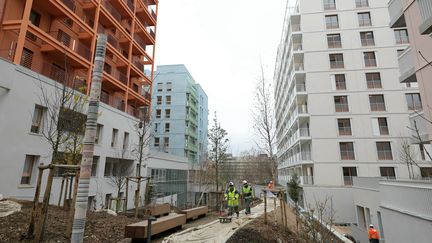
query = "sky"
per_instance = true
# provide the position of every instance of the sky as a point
(222, 43)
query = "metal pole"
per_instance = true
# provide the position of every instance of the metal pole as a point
(88, 144)
(149, 222)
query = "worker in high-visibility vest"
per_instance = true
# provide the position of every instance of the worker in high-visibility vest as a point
(232, 198)
(270, 185)
(373, 234)
(247, 193)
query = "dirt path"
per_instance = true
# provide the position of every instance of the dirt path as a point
(215, 232)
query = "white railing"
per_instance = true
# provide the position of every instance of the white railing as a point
(306, 180)
(406, 62)
(304, 132)
(426, 13)
(395, 10)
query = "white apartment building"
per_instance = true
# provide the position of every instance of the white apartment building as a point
(23, 148)
(340, 109)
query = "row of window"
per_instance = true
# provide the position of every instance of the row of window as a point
(373, 81)
(168, 87)
(377, 103)
(167, 127)
(347, 152)
(167, 100)
(157, 141)
(337, 60)
(379, 125)
(332, 20)
(331, 4)
(167, 113)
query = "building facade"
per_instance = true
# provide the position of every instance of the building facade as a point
(413, 19)
(180, 113)
(340, 110)
(58, 38)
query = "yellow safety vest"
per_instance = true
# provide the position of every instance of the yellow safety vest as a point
(232, 197)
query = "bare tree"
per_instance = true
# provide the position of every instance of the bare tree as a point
(407, 156)
(122, 170)
(218, 148)
(204, 176)
(264, 122)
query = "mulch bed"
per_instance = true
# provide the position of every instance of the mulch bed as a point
(100, 226)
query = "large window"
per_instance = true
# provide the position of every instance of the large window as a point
(383, 126)
(99, 131)
(114, 138)
(159, 100)
(362, 3)
(37, 119)
(334, 41)
(156, 142)
(344, 126)
(348, 174)
(125, 141)
(388, 172)
(336, 60)
(95, 163)
(401, 36)
(158, 113)
(159, 87)
(373, 80)
(384, 151)
(168, 99)
(370, 59)
(414, 101)
(329, 5)
(341, 103)
(347, 150)
(367, 38)
(167, 127)
(340, 82)
(29, 163)
(426, 172)
(364, 19)
(169, 86)
(27, 58)
(377, 102)
(166, 142)
(332, 21)
(167, 113)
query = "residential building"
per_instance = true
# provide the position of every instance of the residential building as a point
(411, 21)
(340, 110)
(48, 45)
(399, 209)
(180, 113)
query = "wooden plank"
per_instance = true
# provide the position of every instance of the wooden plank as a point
(194, 212)
(139, 230)
(159, 209)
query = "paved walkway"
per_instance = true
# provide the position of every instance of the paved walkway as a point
(216, 232)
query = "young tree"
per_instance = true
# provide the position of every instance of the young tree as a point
(264, 121)
(294, 188)
(407, 156)
(122, 170)
(218, 148)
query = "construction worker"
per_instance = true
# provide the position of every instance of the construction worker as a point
(373, 234)
(232, 196)
(270, 185)
(247, 194)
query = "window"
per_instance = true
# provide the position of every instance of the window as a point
(26, 58)
(383, 126)
(362, 3)
(157, 127)
(94, 165)
(159, 87)
(156, 142)
(401, 36)
(125, 141)
(336, 60)
(334, 41)
(373, 80)
(341, 103)
(63, 37)
(158, 113)
(166, 142)
(332, 21)
(98, 137)
(329, 4)
(169, 86)
(348, 174)
(388, 172)
(426, 172)
(167, 113)
(114, 137)
(347, 151)
(364, 19)
(36, 126)
(340, 82)
(422, 151)
(377, 102)
(168, 99)
(370, 59)
(167, 127)
(344, 126)
(26, 177)
(367, 38)
(414, 101)
(159, 100)
(384, 151)
(35, 17)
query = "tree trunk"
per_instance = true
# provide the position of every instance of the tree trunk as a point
(88, 144)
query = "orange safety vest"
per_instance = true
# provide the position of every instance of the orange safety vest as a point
(373, 234)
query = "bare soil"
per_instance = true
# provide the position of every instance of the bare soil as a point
(100, 226)
(258, 232)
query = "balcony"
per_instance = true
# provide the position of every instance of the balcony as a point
(300, 87)
(66, 40)
(145, 12)
(426, 14)
(306, 180)
(305, 155)
(396, 11)
(110, 9)
(304, 132)
(113, 101)
(135, 112)
(406, 66)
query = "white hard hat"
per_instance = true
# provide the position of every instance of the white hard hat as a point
(231, 183)
(371, 226)
(244, 182)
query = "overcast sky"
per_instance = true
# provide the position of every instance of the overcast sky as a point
(221, 42)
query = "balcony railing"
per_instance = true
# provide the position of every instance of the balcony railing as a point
(300, 87)
(304, 132)
(140, 41)
(296, 28)
(70, 4)
(426, 13)
(406, 64)
(306, 155)
(306, 180)
(137, 62)
(114, 13)
(70, 43)
(129, 4)
(119, 76)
